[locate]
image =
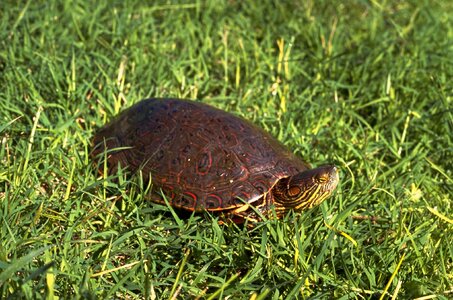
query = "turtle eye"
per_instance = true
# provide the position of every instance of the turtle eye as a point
(294, 191)
(321, 178)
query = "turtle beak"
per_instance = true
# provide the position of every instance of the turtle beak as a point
(333, 177)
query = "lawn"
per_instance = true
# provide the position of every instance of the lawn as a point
(366, 85)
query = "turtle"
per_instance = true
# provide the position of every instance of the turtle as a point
(201, 158)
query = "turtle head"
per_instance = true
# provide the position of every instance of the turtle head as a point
(305, 189)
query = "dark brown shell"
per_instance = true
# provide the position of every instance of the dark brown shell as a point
(202, 158)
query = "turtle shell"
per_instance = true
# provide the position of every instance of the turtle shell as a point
(201, 157)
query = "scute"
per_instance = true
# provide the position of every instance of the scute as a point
(201, 157)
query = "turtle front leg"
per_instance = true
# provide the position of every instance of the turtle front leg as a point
(252, 212)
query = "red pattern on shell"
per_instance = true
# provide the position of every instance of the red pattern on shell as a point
(199, 153)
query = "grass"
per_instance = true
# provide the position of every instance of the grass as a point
(366, 85)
